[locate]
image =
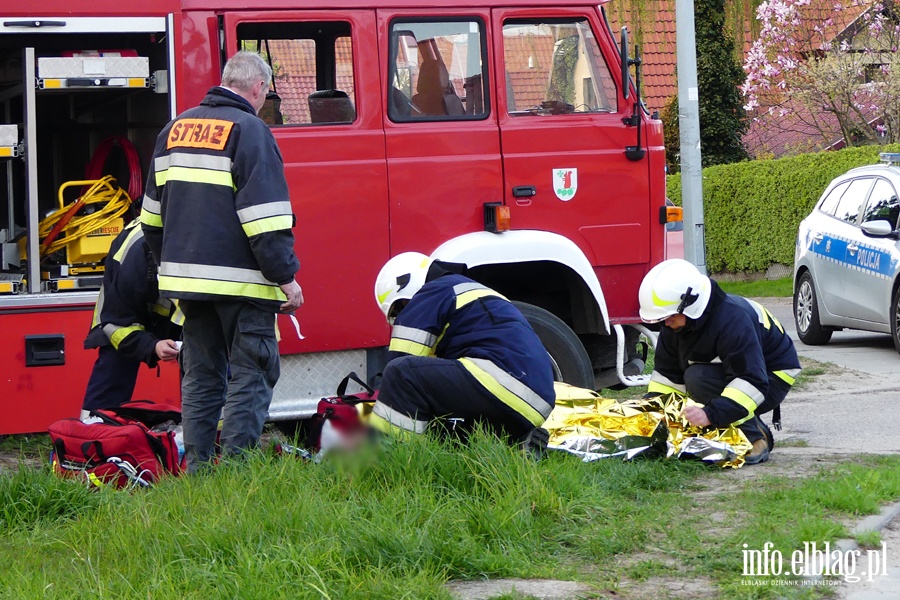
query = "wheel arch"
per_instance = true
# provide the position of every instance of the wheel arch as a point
(537, 267)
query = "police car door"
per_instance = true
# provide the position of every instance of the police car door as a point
(837, 261)
(873, 261)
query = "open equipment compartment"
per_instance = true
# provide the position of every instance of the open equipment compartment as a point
(73, 91)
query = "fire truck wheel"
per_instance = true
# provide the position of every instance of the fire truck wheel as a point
(571, 362)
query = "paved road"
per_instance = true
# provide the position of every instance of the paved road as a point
(857, 411)
(861, 351)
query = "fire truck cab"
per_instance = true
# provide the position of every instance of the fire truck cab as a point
(505, 135)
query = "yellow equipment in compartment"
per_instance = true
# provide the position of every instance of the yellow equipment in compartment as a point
(86, 238)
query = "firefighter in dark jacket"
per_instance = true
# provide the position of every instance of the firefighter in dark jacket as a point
(458, 350)
(728, 353)
(131, 325)
(218, 219)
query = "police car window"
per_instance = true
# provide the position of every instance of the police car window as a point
(831, 200)
(437, 71)
(852, 199)
(883, 204)
(554, 68)
(312, 65)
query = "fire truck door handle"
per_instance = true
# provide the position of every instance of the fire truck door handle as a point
(34, 23)
(524, 191)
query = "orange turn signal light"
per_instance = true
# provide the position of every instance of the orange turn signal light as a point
(670, 214)
(496, 217)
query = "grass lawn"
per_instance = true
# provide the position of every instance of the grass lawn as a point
(400, 521)
(764, 288)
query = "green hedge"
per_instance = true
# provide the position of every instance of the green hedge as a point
(752, 209)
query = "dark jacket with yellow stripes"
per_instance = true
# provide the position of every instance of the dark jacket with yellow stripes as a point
(456, 318)
(742, 335)
(216, 210)
(130, 315)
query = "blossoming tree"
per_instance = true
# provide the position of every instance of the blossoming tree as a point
(831, 65)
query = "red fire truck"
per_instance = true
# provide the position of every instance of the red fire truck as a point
(500, 134)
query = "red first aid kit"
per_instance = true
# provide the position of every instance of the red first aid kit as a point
(340, 412)
(130, 445)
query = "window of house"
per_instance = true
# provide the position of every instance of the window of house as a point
(437, 70)
(883, 204)
(312, 64)
(555, 67)
(852, 199)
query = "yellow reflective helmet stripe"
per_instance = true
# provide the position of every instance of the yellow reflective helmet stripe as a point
(660, 302)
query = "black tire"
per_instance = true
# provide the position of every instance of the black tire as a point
(806, 313)
(895, 319)
(571, 361)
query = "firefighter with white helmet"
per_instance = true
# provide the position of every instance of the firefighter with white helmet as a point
(726, 352)
(458, 350)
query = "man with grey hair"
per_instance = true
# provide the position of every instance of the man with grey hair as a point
(217, 217)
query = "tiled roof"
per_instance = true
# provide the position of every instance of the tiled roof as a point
(658, 83)
(658, 38)
(295, 74)
(800, 131)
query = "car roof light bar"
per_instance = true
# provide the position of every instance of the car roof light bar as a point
(890, 158)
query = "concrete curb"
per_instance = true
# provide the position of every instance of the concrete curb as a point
(855, 391)
(870, 523)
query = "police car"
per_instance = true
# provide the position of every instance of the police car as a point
(847, 258)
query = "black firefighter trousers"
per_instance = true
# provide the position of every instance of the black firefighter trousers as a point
(704, 382)
(416, 390)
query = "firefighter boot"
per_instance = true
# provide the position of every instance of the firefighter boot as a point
(759, 453)
(534, 444)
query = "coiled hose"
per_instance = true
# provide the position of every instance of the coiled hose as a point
(62, 227)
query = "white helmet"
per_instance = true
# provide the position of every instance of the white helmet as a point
(400, 278)
(673, 286)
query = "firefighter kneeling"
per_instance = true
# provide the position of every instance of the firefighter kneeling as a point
(458, 350)
(728, 353)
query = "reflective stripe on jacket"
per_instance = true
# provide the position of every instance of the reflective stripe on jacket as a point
(745, 338)
(216, 210)
(456, 318)
(129, 314)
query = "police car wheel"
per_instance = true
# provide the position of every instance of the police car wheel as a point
(806, 313)
(568, 356)
(895, 319)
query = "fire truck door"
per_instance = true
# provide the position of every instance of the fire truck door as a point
(325, 112)
(563, 137)
(443, 146)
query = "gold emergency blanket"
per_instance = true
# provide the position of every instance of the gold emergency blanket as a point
(592, 427)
